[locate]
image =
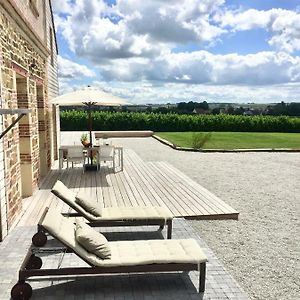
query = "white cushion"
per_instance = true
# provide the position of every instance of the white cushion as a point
(69, 197)
(126, 253)
(89, 204)
(136, 213)
(110, 213)
(61, 191)
(91, 240)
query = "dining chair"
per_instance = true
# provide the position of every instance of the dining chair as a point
(106, 153)
(75, 155)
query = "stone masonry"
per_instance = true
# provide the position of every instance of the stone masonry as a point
(27, 147)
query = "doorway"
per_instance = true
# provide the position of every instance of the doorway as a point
(42, 131)
(24, 138)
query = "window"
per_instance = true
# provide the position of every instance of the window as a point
(51, 46)
(33, 4)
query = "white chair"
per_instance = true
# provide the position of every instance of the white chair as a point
(75, 155)
(105, 141)
(106, 153)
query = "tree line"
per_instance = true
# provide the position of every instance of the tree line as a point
(192, 107)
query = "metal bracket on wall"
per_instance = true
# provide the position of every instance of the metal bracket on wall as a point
(20, 112)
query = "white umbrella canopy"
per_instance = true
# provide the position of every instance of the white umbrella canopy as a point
(89, 97)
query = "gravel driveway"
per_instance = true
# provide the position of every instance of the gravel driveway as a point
(262, 249)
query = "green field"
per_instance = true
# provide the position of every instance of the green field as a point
(236, 140)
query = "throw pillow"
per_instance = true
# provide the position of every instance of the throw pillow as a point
(91, 240)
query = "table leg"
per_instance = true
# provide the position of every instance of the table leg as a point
(60, 159)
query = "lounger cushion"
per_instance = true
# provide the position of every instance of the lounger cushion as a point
(111, 213)
(91, 240)
(89, 204)
(69, 197)
(61, 191)
(126, 253)
(136, 213)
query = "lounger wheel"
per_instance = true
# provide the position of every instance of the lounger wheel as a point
(39, 239)
(34, 263)
(21, 291)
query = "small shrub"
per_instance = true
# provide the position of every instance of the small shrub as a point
(84, 137)
(199, 139)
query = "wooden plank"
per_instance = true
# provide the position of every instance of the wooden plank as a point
(111, 193)
(195, 199)
(181, 194)
(140, 183)
(203, 191)
(149, 195)
(170, 191)
(135, 189)
(209, 204)
(38, 201)
(104, 189)
(167, 194)
(128, 188)
(156, 188)
(117, 191)
(99, 190)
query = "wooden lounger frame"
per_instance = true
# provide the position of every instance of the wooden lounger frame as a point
(40, 238)
(31, 267)
(130, 222)
(125, 222)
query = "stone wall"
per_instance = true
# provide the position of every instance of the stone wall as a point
(3, 202)
(26, 153)
(33, 13)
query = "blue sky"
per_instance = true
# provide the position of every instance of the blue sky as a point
(180, 50)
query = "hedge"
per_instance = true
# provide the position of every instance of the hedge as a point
(77, 121)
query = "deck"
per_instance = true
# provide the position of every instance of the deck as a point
(140, 183)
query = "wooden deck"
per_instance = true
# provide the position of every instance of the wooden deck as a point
(140, 183)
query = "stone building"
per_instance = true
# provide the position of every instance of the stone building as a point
(28, 80)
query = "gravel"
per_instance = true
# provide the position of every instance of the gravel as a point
(262, 249)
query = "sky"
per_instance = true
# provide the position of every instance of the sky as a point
(168, 51)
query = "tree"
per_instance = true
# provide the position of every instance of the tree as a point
(239, 111)
(215, 111)
(230, 110)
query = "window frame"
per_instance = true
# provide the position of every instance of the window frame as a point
(33, 4)
(51, 33)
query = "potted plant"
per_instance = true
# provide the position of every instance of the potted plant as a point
(84, 140)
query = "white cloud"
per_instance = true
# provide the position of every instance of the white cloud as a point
(201, 67)
(131, 41)
(171, 21)
(91, 34)
(70, 69)
(137, 28)
(61, 6)
(139, 93)
(283, 25)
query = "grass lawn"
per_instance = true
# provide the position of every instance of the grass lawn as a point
(236, 140)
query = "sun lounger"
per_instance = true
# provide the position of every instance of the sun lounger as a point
(116, 216)
(126, 256)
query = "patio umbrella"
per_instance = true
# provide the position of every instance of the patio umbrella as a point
(89, 97)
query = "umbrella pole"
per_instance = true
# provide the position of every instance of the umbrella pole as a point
(90, 126)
